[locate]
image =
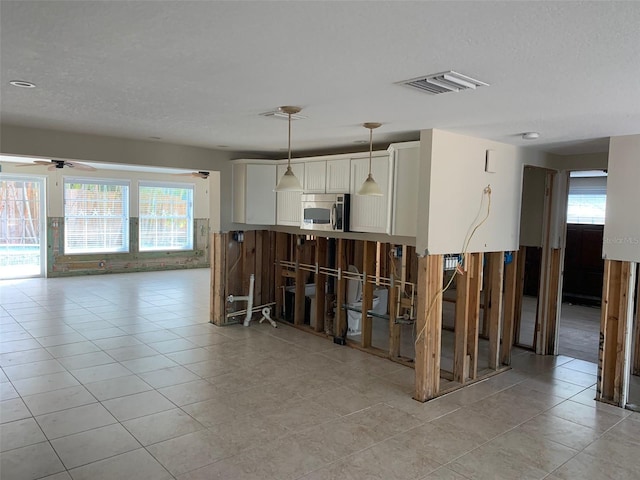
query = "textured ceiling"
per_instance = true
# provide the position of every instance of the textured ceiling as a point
(199, 73)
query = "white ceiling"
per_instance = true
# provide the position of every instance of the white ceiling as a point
(200, 73)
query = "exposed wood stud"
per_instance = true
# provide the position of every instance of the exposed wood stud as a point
(298, 315)
(321, 282)
(615, 330)
(553, 294)
(636, 334)
(496, 272)
(474, 271)
(461, 325)
(429, 327)
(519, 293)
(368, 269)
(218, 269)
(340, 320)
(486, 300)
(282, 241)
(257, 268)
(510, 293)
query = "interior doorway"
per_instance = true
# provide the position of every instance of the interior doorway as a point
(579, 329)
(22, 227)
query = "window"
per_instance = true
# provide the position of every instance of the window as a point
(587, 199)
(166, 216)
(96, 216)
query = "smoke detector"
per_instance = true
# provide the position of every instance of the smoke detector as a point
(444, 82)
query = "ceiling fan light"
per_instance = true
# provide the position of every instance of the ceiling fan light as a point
(289, 182)
(370, 188)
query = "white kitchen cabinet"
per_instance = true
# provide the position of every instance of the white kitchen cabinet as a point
(288, 211)
(371, 214)
(254, 201)
(315, 177)
(405, 158)
(338, 175)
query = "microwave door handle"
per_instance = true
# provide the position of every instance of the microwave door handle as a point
(334, 215)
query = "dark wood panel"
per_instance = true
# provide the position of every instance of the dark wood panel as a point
(584, 266)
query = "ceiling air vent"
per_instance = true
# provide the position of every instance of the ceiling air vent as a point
(444, 82)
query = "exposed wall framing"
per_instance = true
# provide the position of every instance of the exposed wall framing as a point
(615, 332)
(636, 329)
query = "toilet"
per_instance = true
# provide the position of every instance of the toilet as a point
(354, 300)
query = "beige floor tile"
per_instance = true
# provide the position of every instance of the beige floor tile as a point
(86, 360)
(131, 352)
(7, 392)
(176, 345)
(116, 342)
(45, 383)
(344, 400)
(587, 467)
(63, 339)
(191, 392)
(25, 356)
(58, 400)
(486, 463)
(93, 445)
(74, 420)
(166, 377)
(157, 336)
(58, 476)
(137, 464)
(559, 430)
(189, 452)
(248, 430)
(27, 463)
(162, 426)
(100, 372)
(70, 349)
(194, 355)
(148, 364)
(13, 409)
(212, 412)
(444, 474)
(587, 416)
(621, 450)
(20, 434)
(36, 369)
(137, 405)
(299, 414)
(117, 387)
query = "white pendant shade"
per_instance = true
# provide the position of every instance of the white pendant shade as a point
(289, 182)
(370, 188)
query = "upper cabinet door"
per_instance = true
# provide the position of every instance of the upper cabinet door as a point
(288, 211)
(254, 201)
(338, 175)
(314, 177)
(371, 214)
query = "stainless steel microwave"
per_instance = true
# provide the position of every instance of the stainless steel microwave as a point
(325, 212)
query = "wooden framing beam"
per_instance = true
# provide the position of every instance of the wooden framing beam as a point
(486, 300)
(394, 328)
(281, 249)
(467, 317)
(461, 325)
(429, 327)
(341, 290)
(496, 272)
(510, 294)
(321, 283)
(615, 332)
(298, 309)
(636, 331)
(368, 269)
(519, 294)
(218, 278)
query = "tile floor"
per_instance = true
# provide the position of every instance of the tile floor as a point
(121, 377)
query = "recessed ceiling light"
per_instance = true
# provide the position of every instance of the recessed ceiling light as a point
(155, 138)
(22, 84)
(530, 135)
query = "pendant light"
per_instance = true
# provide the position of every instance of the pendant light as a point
(289, 182)
(370, 187)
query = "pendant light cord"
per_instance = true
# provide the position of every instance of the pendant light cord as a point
(289, 144)
(370, 148)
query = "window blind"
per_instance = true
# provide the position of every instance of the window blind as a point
(166, 216)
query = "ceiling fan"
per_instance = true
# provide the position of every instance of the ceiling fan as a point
(53, 164)
(199, 174)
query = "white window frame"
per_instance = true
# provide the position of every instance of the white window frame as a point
(189, 245)
(124, 248)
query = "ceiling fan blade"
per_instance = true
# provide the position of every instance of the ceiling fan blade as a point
(52, 167)
(188, 174)
(81, 166)
(35, 163)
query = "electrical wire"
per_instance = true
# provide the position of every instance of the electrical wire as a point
(487, 191)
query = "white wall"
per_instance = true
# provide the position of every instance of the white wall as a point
(452, 180)
(622, 222)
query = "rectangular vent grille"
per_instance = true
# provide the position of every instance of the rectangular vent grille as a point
(444, 82)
